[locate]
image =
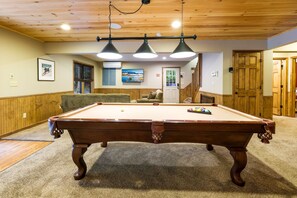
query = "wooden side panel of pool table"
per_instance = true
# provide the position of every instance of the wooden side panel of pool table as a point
(229, 135)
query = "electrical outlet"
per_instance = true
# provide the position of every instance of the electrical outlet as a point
(24, 115)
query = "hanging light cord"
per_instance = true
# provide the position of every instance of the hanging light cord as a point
(122, 12)
(137, 38)
(182, 17)
(109, 18)
(126, 12)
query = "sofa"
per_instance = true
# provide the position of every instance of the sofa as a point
(74, 101)
(152, 97)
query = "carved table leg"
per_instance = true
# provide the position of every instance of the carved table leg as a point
(209, 147)
(77, 156)
(240, 161)
(104, 144)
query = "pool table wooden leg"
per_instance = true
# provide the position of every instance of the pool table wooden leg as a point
(240, 161)
(103, 144)
(209, 147)
(77, 156)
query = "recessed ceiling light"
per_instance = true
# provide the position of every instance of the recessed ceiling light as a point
(65, 26)
(176, 24)
(164, 58)
(115, 26)
(158, 34)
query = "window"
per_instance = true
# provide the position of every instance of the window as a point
(170, 78)
(109, 76)
(83, 78)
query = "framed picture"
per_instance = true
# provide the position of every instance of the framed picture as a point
(46, 70)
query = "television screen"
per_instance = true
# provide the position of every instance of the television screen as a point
(132, 75)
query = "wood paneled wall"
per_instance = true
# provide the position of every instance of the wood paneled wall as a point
(226, 100)
(38, 108)
(186, 92)
(267, 107)
(137, 93)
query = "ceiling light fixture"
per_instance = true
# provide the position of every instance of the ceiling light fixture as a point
(176, 24)
(182, 50)
(145, 50)
(65, 26)
(115, 26)
(109, 51)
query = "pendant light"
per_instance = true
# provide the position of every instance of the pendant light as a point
(109, 51)
(182, 50)
(145, 50)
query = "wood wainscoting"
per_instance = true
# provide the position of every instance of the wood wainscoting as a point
(226, 100)
(267, 107)
(22, 112)
(134, 93)
(186, 92)
(137, 93)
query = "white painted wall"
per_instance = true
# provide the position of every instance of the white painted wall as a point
(186, 73)
(289, 48)
(267, 70)
(152, 74)
(18, 56)
(166, 46)
(283, 39)
(18, 67)
(212, 73)
(64, 72)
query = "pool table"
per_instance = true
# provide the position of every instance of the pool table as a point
(161, 123)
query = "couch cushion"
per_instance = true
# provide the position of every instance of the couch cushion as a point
(75, 101)
(152, 95)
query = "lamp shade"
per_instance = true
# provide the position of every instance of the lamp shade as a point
(145, 51)
(109, 52)
(182, 50)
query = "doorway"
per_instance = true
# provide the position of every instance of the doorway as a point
(284, 77)
(279, 86)
(171, 82)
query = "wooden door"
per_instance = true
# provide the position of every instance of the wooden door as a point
(247, 82)
(171, 85)
(277, 87)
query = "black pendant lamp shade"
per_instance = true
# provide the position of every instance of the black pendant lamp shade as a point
(109, 52)
(182, 50)
(145, 50)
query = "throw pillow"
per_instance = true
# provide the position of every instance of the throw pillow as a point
(159, 95)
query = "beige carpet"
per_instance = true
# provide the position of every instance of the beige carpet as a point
(126, 169)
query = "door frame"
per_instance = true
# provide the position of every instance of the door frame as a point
(293, 79)
(284, 83)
